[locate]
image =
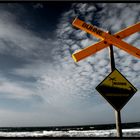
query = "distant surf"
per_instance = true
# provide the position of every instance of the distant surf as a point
(129, 130)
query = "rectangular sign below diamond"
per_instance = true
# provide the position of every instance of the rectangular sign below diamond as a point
(116, 89)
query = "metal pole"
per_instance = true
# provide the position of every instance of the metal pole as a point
(117, 113)
(118, 123)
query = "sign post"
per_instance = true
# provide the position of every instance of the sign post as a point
(118, 123)
(115, 88)
(117, 112)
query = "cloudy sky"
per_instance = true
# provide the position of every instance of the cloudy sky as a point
(40, 84)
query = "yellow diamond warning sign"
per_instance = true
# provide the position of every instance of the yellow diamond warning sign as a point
(116, 89)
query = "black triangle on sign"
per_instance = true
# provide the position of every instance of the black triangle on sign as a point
(116, 89)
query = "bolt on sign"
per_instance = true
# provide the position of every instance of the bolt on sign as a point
(116, 89)
(106, 38)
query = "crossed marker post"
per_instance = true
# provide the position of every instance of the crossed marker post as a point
(107, 40)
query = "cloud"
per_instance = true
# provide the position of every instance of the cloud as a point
(38, 5)
(90, 72)
(49, 80)
(43, 79)
(110, 22)
(13, 90)
(18, 41)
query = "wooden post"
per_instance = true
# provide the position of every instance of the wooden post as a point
(117, 113)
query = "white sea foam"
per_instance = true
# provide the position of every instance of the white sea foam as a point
(73, 133)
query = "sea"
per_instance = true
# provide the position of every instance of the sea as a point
(106, 130)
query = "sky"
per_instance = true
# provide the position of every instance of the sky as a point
(40, 84)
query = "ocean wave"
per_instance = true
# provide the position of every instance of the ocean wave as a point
(73, 133)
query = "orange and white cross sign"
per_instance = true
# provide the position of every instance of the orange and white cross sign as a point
(107, 39)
